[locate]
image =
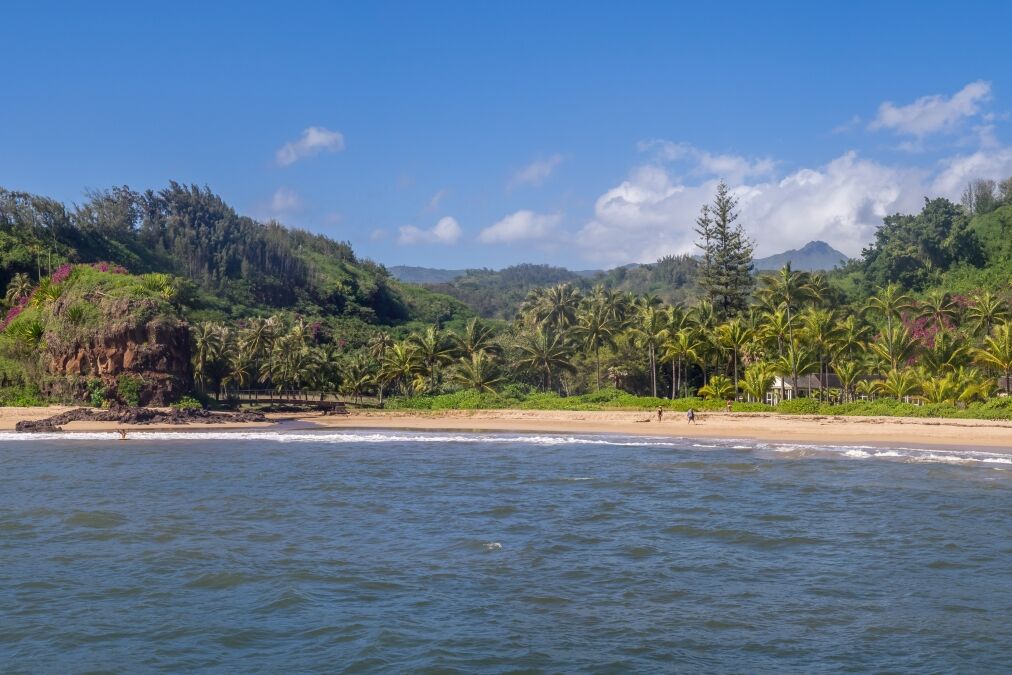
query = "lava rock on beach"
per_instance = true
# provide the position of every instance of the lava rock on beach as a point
(134, 415)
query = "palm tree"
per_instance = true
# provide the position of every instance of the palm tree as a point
(900, 384)
(852, 336)
(477, 337)
(821, 331)
(997, 351)
(559, 306)
(948, 353)
(433, 351)
(759, 377)
(544, 352)
(240, 369)
(849, 373)
(719, 388)
(400, 364)
(19, 287)
(939, 309)
(789, 289)
(595, 328)
(478, 371)
(680, 350)
(795, 362)
(649, 332)
(378, 345)
(207, 345)
(973, 385)
(891, 302)
(894, 346)
(940, 389)
(986, 311)
(779, 327)
(733, 336)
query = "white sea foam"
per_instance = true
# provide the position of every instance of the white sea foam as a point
(493, 546)
(855, 452)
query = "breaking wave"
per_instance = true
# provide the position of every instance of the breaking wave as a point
(793, 450)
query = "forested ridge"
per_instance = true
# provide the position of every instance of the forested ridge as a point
(242, 265)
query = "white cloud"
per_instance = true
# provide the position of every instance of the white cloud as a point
(652, 214)
(732, 168)
(447, 231)
(536, 172)
(520, 226)
(932, 114)
(313, 141)
(956, 172)
(285, 200)
(437, 199)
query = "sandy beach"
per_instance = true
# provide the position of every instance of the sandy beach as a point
(759, 426)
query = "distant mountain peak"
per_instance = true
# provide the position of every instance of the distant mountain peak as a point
(815, 256)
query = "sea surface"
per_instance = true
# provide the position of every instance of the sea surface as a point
(392, 551)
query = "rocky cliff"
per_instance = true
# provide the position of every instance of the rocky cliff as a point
(133, 339)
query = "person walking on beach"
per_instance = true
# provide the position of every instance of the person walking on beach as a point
(660, 413)
(690, 416)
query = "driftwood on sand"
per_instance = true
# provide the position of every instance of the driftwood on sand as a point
(134, 415)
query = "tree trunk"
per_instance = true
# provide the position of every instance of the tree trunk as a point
(597, 358)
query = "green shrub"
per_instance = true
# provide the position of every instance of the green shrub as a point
(96, 393)
(188, 403)
(128, 388)
(21, 397)
(800, 406)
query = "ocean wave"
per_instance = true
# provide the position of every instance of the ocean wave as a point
(798, 450)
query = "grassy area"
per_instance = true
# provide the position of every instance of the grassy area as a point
(613, 399)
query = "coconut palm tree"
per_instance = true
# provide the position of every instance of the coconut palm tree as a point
(948, 352)
(943, 389)
(207, 345)
(559, 306)
(719, 388)
(890, 302)
(20, 286)
(477, 337)
(433, 351)
(939, 309)
(595, 328)
(544, 352)
(900, 384)
(733, 337)
(478, 371)
(759, 377)
(400, 364)
(894, 346)
(997, 351)
(378, 345)
(852, 336)
(985, 312)
(790, 290)
(821, 331)
(796, 361)
(680, 350)
(778, 327)
(649, 332)
(849, 373)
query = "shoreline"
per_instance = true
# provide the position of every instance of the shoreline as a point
(770, 427)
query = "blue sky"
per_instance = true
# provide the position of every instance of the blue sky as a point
(484, 134)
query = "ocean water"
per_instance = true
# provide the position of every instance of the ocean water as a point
(442, 552)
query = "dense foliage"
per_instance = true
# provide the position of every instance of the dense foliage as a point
(883, 334)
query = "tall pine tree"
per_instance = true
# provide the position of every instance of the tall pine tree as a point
(726, 265)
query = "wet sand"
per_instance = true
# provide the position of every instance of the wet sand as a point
(893, 431)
